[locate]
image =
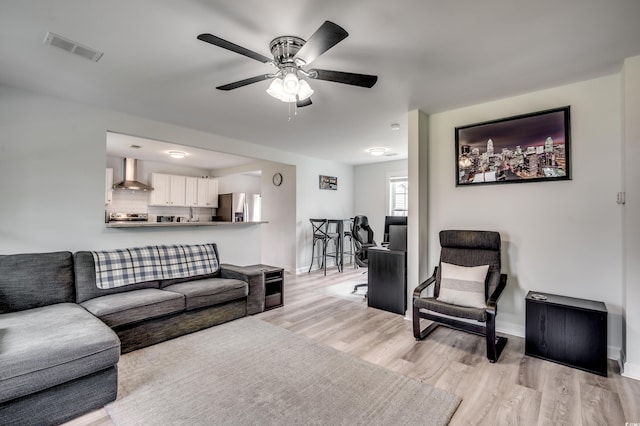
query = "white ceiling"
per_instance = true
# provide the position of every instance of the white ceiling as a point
(432, 55)
(127, 146)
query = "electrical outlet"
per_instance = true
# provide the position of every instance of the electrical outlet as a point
(620, 198)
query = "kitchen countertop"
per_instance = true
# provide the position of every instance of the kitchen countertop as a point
(142, 224)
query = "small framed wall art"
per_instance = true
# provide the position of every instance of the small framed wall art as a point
(532, 147)
(328, 182)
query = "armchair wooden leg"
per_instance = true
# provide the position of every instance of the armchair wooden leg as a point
(495, 345)
(420, 335)
(416, 323)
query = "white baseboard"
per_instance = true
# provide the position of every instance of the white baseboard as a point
(631, 370)
(615, 353)
(511, 329)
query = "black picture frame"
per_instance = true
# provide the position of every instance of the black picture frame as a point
(328, 182)
(534, 147)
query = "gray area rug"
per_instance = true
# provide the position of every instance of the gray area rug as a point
(249, 372)
(345, 291)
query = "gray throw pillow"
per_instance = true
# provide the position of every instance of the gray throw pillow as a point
(463, 286)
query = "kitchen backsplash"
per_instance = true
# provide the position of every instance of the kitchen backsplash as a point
(124, 201)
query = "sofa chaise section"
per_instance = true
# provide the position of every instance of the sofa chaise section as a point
(57, 361)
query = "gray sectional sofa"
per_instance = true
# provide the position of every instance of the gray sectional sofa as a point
(66, 318)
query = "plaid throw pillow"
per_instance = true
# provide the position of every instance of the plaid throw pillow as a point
(463, 286)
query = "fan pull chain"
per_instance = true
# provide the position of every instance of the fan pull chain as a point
(295, 109)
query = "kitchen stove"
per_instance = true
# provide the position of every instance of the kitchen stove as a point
(128, 217)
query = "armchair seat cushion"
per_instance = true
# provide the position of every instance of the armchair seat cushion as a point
(210, 292)
(436, 305)
(50, 345)
(136, 305)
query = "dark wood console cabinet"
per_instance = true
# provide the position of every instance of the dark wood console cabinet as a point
(568, 331)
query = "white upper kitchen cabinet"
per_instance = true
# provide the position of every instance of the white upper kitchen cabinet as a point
(108, 189)
(207, 192)
(168, 190)
(191, 194)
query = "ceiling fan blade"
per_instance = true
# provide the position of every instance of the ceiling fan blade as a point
(362, 80)
(217, 41)
(325, 37)
(244, 82)
(303, 103)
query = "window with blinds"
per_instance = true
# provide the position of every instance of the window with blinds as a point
(398, 196)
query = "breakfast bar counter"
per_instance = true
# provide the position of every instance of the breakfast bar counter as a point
(144, 224)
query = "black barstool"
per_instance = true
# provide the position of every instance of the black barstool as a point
(321, 234)
(348, 234)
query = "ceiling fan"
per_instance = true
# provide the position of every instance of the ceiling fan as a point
(290, 56)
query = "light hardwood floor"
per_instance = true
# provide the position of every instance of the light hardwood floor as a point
(517, 390)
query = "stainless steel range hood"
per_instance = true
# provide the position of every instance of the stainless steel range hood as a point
(130, 177)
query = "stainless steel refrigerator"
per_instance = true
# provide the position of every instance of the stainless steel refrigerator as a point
(239, 207)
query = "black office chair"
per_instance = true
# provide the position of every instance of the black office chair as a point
(363, 239)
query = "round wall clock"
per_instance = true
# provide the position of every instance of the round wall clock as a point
(277, 179)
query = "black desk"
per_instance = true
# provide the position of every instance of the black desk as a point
(387, 280)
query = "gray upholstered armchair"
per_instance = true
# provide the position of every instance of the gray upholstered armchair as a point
(467, 284)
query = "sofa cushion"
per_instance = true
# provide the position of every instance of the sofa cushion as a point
(209, 292)
(136, 305)
(86, 287)
(35, 279)
(50, 345)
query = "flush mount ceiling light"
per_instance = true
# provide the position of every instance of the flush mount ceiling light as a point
(290, 55)
(177, 154)
(377, 151)
(395, 126)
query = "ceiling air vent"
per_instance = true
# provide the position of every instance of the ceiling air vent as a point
(73, 47)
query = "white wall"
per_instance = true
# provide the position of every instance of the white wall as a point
(52, 160)
(558, 237)
(371, 192)
(279, 209)
(240, 183)
(631, 215)
(320, 203)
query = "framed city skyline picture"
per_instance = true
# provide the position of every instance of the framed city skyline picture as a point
(525, 148)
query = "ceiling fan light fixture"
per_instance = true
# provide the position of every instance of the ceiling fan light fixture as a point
(288, 98)
(305, 90)
(275, 88)
(290, 55)
(291, 84)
